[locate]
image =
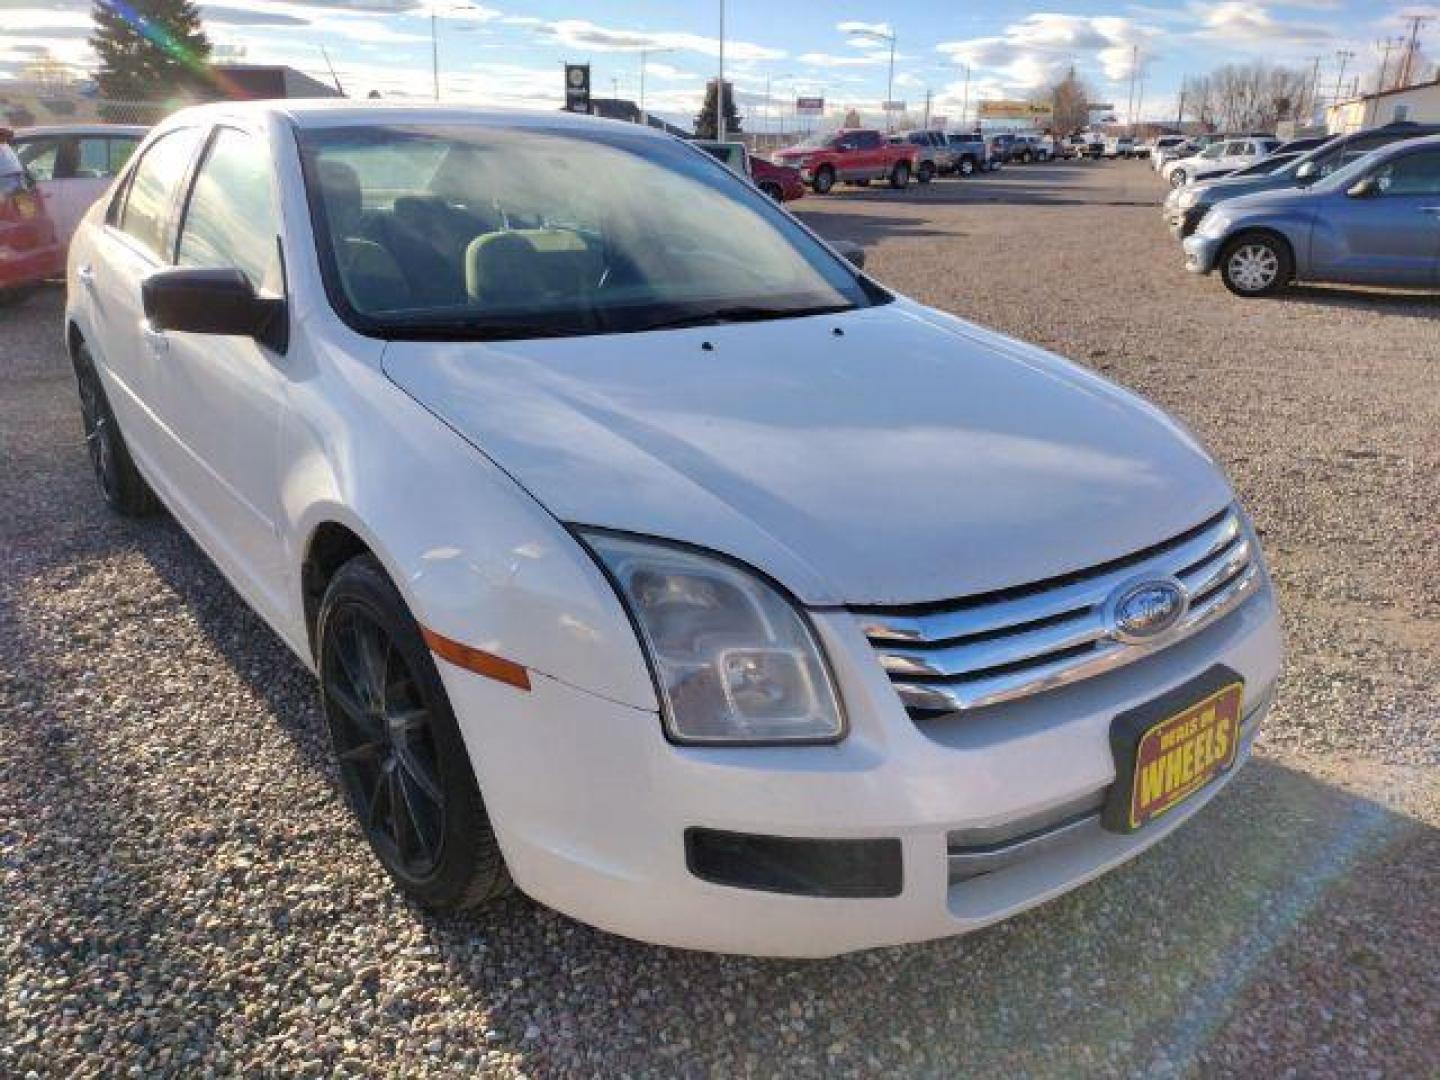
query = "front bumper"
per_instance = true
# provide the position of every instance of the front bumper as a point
(1201, 253)
(591, 805)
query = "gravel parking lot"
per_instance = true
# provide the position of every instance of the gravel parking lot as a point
(182, 892)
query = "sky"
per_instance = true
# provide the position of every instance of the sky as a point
(510, 52)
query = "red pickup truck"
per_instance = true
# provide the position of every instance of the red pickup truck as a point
(856, 155)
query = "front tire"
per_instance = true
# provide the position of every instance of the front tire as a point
(900, 175)
(966, 167)
(1026, 158)
(402, 760)
(926, 173)
(1177, 178)
(824, 180)
(1256, 264)
(769, 187)
(121, 485)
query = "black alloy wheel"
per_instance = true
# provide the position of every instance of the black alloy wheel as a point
(385, 742)
(402, 760)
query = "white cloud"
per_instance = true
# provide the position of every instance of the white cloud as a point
(582, 35)
(1040, 48)
(831, 60)
(880, 30)
(1237, 22)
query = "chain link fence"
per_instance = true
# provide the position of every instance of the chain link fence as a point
(20, 109)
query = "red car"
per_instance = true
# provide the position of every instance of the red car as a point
(855, 155)
(30, 252)
(781, 182)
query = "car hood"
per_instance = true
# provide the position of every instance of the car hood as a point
(1229, 187)
(1287, 198)
(887, 455)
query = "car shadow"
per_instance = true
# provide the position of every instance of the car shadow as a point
(1411, 304)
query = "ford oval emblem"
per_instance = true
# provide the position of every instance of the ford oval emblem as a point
(1141, 611)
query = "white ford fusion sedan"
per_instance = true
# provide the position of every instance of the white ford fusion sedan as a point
(649, 554)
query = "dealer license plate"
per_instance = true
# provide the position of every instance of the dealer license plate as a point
(1162, 762)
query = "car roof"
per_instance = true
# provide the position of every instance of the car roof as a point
(317, 113)
(1405, 146)
(81, 129)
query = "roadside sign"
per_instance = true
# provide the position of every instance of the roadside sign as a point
(1016, 110)
(893, 106)
(577, 88)
(810, 106)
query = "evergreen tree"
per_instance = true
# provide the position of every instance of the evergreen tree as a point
(150, 50)
(705, 127)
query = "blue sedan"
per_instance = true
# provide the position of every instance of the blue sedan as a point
(1374, 222)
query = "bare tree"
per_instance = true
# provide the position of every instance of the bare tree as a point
(1245, 97)
(1070, 101)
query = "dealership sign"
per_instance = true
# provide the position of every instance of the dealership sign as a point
(1015, 110)
(577, 88)
(893, 106)
(810, 106)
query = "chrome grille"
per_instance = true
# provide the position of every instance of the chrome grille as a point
(983, 650)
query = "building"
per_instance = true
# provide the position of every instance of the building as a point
(1420, 104)
(240, 82)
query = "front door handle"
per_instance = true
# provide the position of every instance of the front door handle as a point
(155, 340)
(86, 274)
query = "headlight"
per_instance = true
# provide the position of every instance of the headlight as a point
(734, 660)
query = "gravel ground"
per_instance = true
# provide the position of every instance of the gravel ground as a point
(183, 893)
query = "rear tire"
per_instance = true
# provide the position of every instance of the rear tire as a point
(900, 175)
(1256, 264)
(402, 760)
(824, 180)
(121, 485)
(966, 167)
(1026, 158)
(926, 173)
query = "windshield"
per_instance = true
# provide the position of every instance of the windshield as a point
(463, 231)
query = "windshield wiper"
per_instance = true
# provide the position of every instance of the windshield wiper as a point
(740, 313)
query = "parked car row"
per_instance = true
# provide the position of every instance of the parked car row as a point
(780, 182)
(865, 155)
(1362, 208)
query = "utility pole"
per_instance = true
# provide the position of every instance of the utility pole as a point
(1416, 21)
(927, 109)
(1387, 44)
(1130, 104)
(1314, 88)
(890, 87)
(434, 55)
(1344, 56)
(1180, 109)
(965, 108)
(1139, 106)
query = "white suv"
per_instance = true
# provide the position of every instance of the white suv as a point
(650, 555)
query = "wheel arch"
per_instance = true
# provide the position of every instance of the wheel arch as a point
(1271, 231)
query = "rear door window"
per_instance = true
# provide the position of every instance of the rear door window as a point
(41, 157)
(154, 188)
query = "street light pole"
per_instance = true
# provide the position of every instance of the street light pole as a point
(434, 54)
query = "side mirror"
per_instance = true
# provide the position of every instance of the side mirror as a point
(1366, 188)
(851, 251)
(1307, 173)
(212, 301)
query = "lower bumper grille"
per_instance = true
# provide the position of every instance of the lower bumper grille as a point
(983, 650)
